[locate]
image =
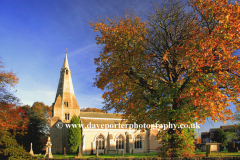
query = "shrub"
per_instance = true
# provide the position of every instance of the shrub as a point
(9, 148)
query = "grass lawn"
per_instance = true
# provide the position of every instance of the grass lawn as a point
(136, 155)
(220, 154)
(142, 155)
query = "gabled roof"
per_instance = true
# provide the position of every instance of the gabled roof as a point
(99, 120)
(229, 127)
(100, 115)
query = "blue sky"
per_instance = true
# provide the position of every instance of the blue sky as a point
(34, 35)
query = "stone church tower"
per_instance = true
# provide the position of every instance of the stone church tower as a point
(64, 108)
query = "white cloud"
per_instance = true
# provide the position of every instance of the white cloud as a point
(87, 49)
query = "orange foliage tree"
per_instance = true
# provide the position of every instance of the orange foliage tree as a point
(12, 117)
(177, 67)
(38, 126)
(89, 109)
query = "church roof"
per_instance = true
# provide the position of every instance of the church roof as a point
(100, 115)
(103, 120)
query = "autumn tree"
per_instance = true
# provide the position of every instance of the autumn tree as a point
(43, 112)
(179, 66)
(12, 118)
(38, 126)
(89, 109)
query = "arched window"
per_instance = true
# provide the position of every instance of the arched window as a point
(66, 72)
(120, 142)
(138, 142)
(100, 142)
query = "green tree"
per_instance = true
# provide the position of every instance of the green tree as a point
(231, 136)
(236, 120)
(74, 134)
(220, 137)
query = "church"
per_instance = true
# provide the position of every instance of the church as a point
(100, 130)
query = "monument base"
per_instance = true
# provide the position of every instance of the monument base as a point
(48, 156)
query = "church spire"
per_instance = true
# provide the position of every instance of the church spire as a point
(65, 100)
(65, 64)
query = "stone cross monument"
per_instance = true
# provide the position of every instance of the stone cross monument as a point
(48, 153)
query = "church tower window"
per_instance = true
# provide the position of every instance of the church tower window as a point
(120, 142)
(66, 104)
(100, 142)
(66, 72)
(66, 116)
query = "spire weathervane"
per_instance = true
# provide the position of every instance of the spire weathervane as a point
(66, 50)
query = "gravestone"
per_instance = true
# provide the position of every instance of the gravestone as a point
(97, 151)
(64, 151)
(91, 148)
(208, 148)
(122, 153)
(48, 153)
(31, 150)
